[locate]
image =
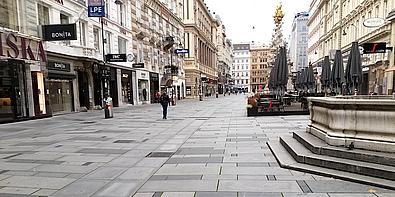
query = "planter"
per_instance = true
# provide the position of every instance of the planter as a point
(252, 111)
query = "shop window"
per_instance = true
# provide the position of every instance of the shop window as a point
(9, 14)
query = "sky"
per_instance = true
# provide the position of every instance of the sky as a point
(240, 16)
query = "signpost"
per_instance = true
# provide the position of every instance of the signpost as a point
(96, 8)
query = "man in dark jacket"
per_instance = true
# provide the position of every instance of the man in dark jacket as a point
(164, 101)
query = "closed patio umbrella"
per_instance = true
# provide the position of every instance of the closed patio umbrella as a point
(282, 70)
(326, 74)
(354, 69)
(337, 75)
(310, 80)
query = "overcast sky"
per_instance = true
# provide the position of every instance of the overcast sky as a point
(240, 16)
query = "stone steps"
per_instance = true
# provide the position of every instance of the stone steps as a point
(285, 160)
(317, 146)
(302, 155)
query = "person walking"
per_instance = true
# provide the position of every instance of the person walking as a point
(164, 101)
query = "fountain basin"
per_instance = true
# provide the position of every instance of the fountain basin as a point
(366, 122)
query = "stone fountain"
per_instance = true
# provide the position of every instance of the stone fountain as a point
(361, 122)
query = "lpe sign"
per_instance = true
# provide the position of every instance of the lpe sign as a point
(96, 8)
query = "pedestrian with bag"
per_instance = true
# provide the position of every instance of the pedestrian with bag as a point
(164, 101)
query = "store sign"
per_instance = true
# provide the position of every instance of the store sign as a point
(16, 46)
(379, 47)
(138, 65)
(96, 8)
(59, 1)
(58, 66)
(181, 51)
(116, 58)
(373, 22)
(59, 32)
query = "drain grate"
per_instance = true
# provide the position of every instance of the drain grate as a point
(160, 154)
(125, 141)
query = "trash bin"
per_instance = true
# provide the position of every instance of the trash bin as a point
(216, 95)
(108, 113)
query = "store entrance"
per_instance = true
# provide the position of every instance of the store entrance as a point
(83, 88)
(13, 100)
(61, 96)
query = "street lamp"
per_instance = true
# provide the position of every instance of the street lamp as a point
(356, 31)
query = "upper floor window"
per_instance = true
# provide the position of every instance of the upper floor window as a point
(9, 14)
(43, 14)
(121, 14)
(96, 38)
(121, 45)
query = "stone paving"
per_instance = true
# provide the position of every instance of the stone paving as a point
(204, 149)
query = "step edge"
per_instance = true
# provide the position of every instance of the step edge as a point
(381, 171)
(325, 150)
(331, 173)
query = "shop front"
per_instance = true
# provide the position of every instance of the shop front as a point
(143, 85)
(127, 86)
(13, 94)
(154, 86)
(60, 86)
(22, 94)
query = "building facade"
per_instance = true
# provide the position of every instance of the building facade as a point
(298, 42)
(200, 36)
(241, 67)
(335, 24)
(158, 31)
(22, 63)
(261, 56)
(225, 58)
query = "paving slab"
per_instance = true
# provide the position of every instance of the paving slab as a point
(258, 186)
(36, 182)
(17, 190)
(81, 188)
(118, 189)
(179, 186)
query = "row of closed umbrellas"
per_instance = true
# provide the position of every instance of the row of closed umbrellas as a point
(332, 77)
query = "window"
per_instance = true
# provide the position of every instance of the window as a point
(121, 45)
(140, 56)
(246, 81)
(43, 14)
(64, 19)
(96, 38)
(82, 33)
(121, 14)
(9, 14)
(385, 10)
(107, 8)
(108, 42)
